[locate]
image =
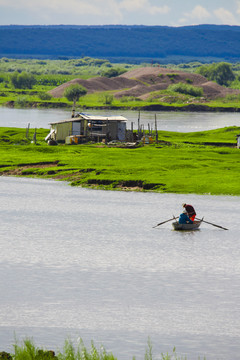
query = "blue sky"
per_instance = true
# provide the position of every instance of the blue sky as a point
(127, 12)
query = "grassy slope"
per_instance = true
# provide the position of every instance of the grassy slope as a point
(175, 166)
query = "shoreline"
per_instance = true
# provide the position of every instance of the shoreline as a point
(108, 187)
(152, 107)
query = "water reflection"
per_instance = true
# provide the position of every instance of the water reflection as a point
(89, 264)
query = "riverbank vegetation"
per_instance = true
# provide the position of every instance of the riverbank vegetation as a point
(205, 162)
(27, 350)
(27, 82)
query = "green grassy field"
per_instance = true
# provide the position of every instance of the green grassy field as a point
(204, 162)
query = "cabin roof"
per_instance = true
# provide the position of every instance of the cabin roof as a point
(83, 116)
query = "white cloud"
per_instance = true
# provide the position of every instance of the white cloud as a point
(197, 16)
(225, 16)
(97, 11)
(133, 5)
(198, 13)
(182, 21)
(159, 10)
(77, 7)
(143, 5)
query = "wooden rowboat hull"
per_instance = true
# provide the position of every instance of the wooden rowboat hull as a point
(194, 226)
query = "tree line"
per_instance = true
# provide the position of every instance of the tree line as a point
(219, 41)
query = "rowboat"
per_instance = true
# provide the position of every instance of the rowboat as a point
(194, 226)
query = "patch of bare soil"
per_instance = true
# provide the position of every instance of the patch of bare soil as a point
(140, 83)
(19, 170)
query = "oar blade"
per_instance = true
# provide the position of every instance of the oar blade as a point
(163, 222)
(219, 226)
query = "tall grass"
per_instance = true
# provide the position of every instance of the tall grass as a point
(27, 350)
(80, 352)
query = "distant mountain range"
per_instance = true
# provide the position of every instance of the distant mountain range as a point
(132, 44)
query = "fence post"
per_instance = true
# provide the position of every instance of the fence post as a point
(27, 130)
(35, 136)
(131, 130)
(156, 131)
(139, 125)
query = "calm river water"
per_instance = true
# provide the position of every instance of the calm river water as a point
(88, 264)
(172, 121)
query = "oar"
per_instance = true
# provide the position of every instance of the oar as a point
(164, 222)
(221, 227)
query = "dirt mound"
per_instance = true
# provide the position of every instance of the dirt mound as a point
(137, 73)
(143, 81)
(212, 90)
(95, 84)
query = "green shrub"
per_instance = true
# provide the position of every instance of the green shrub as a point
(221, 73)
(113, 72)
(44, 96)
(21, 102)
(23, 80)
(186, 89)
(106, 99)
(124, 99)
(172, 77)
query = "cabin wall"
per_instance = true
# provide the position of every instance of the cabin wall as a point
(62, 130)
(111, 128)
(121, 131)
(115, 130)
(76, 128)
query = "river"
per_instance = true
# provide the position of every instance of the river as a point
(166, 120)
(88, 264)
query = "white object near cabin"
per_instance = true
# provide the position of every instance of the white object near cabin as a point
(238, 141)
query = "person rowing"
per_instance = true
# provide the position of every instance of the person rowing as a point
(184, 219)
(190, 211)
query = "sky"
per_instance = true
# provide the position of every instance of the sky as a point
(125, 12)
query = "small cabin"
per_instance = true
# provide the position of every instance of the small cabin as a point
(83, 128)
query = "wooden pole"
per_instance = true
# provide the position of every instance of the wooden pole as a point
(107, 133)
(156, 131)
(139, 125)
(27, 130)
(35, 136)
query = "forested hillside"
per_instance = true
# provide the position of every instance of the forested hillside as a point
(131, 43)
